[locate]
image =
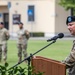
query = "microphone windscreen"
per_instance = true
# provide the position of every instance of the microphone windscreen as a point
(61, 35)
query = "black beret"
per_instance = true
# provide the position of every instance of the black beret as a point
(1, 23)
(70, 19)
(20, 23)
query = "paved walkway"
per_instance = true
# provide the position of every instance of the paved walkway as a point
(46, 38)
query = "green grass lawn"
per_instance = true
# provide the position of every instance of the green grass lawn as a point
(58, 51)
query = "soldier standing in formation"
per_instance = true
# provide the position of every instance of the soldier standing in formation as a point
(4, 36)
(23, 36)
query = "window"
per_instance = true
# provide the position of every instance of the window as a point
(31, 16)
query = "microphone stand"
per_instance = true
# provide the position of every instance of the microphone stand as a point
(29, 57)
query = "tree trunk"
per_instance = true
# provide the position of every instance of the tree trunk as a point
(72, 12)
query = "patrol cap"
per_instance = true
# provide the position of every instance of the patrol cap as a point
(20, 23)
(70, 19)
(1, 23)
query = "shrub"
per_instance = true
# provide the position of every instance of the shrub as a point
(17, 70)
(37, 34)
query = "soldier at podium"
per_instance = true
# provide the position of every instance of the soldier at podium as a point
(70, 59)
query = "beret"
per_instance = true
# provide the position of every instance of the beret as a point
(1, 23)
(70, 19)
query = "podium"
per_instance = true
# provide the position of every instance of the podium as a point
(48, 66)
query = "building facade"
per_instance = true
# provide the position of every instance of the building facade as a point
(37, 15)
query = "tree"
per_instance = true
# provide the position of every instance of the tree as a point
(68, 4)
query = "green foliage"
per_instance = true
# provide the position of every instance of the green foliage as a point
(3, 69)
(67, 4)
(18, 70)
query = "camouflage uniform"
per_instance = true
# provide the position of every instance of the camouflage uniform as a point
(4, 36)
(22, 43)
(70, 61)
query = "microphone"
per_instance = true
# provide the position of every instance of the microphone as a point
(60, 35)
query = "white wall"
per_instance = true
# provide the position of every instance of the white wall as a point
(49, 16)
(44, 20)
(60, 18)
